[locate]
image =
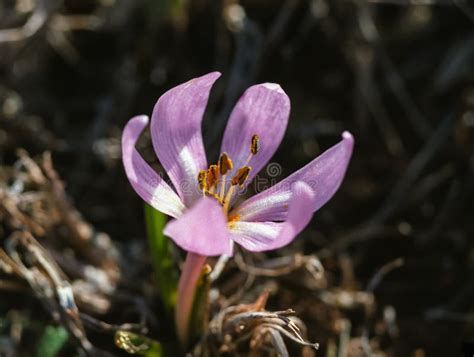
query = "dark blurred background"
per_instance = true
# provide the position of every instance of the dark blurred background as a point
(398, 74)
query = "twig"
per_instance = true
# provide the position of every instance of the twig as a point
(35, 23)
(219, 267)
(46, 280)
(382, 272)
(282, 266)
(373, 283)
(102, 326)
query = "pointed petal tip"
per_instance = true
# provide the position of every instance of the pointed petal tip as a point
(139, 122)
(273, 86)
(348, 137)
(215, 74)
(347, 143)
(211, 77)
(143, 119)
(132, 131)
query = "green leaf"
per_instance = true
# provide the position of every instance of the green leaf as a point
(138, 344)
(162, 255)
(52, 341)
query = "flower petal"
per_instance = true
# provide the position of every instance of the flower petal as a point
(324, 175)
(176, 133)
(262, 236)
(262, 110)
(144, 180)
(202, 229)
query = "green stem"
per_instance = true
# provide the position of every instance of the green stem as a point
(190, 276)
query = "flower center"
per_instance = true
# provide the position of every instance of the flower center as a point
(213, 181)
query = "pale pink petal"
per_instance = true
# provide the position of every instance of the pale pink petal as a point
(144, 180)
(263, 236)
(262, 110)
(202, 229)
(176, 133)
(324, 175)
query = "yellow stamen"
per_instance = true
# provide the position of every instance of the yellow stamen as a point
(212, 175)
(225, 164)
(241, 176)
(254, 148)
(255, 144)
(202, 180)
(209, 179)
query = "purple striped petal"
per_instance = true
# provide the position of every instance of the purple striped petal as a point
(263, 236)
(202, 229)
(324, 175)
(176, 133)
(262, 110)
(144, 180)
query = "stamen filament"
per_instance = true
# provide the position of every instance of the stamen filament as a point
(248, 159)
(222, 190)
(228, 198)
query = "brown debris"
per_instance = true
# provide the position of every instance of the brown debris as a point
(73, 268)
(36, 202)
(249, 326)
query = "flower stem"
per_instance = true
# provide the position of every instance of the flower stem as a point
(192, 270)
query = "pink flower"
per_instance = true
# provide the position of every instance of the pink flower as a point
(205, 202)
